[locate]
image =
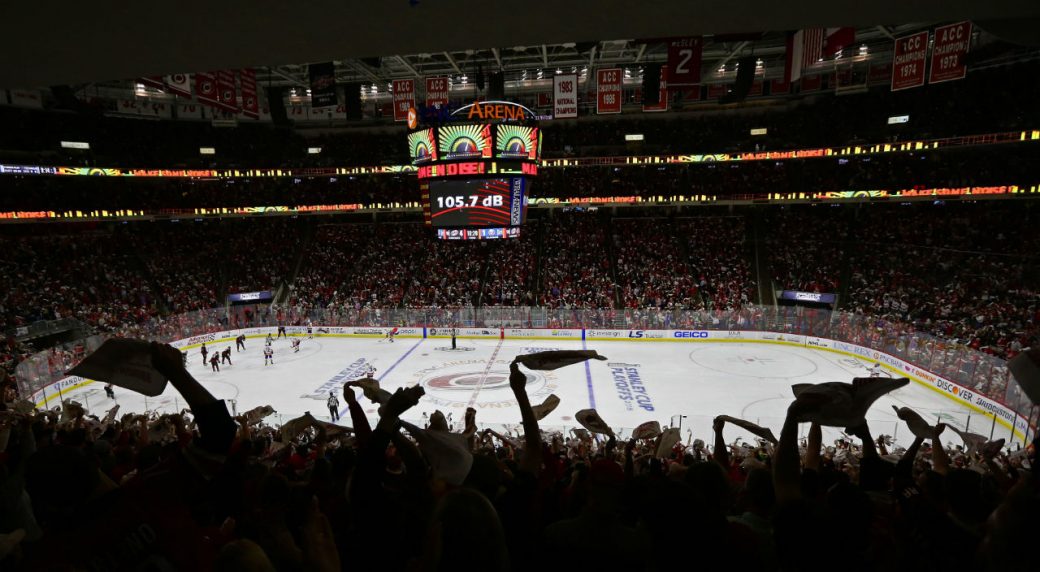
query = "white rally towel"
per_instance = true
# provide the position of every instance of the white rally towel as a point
(555, 359)
(648, 430)
(546, 407)
(126, 363)
(591, 420)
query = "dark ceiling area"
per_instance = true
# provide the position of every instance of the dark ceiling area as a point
(82, 42)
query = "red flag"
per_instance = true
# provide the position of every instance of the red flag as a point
(837, 39)
(250, 102)
(206, 88)
(227, 98)
(179, 84)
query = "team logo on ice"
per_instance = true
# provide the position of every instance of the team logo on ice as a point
(454, 383)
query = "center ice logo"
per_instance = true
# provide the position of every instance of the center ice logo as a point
(456, 381)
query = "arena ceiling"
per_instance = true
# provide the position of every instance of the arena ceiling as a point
(83, 42)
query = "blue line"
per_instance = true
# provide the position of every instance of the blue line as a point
(588, 377)
(388, 370)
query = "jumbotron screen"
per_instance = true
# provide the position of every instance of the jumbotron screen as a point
(499, 202)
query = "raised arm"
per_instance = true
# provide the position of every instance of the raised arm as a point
(721, 449)
(532, 458)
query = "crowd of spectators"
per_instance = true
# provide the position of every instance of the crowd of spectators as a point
(512, 270)
(718, 253)
(576, 268)
(199, 489)
(651, 266)
(807, 247)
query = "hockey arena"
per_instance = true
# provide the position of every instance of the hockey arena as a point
(435, 286)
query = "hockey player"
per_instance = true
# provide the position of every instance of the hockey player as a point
(240, 343)
(875, 370)
(296, 346)
(268, 355)
(109, 392)
(204, 351)
(454, 334)
(281, 331)
(214, 362)
(310, 331)
(225, 356)
(269, 340)
(333, 404)
(390, 335)
(370, 371)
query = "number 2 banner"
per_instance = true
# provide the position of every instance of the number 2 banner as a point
(951, 45)
(608, 90)
(404, 98)
(908, 63)
(565, 96)
(684, 62)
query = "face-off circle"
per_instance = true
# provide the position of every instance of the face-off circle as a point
(456, 381)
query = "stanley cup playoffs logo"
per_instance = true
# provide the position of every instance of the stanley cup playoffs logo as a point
(453, 384)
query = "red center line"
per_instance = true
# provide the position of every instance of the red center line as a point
(483, 377)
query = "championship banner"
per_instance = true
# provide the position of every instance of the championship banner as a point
(951, 45)
(909, 60)
(404, 98)
(565, 96)
(323, 84)
(437, 91)
(684, 62)
(608, 91)
(250, 102)
(662, 100)
(179, 84)
(227, 97)
(206, 88)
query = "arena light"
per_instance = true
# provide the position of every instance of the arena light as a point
(897, 119)
(207, 151)
(634, 137)
(759, 131)
(75, 145)
(313, 150)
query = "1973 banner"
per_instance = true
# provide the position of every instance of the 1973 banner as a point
(951, 45)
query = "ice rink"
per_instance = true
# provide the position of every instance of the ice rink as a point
(640, 381)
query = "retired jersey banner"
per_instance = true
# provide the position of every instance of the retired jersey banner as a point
(404, 98)
(684, 61)
(179, 84)
(227, 96)
(565, 96)
(909, 60)
(608, 90)
(951, 45)
(250, 101)
(206, 88)
(323, 84)
(437, 91)
(662, 99)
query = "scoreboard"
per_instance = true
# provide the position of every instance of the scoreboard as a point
(475, 168)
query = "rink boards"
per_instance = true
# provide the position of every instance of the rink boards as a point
(962, 396)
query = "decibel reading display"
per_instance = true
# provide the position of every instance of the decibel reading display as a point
(478, 202)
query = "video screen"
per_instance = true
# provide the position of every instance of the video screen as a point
(421, 147)
(516, 142)
(464, 142)
(478, 233)
(478, 202)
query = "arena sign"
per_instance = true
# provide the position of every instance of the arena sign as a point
(495, 111)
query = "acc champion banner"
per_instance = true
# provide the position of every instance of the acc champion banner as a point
(565, 96)
(436, 91)
(323, 84)
(608, 90)
(951, 45)
(908, 61)
(404, 98)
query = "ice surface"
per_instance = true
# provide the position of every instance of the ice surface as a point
(640, 381)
